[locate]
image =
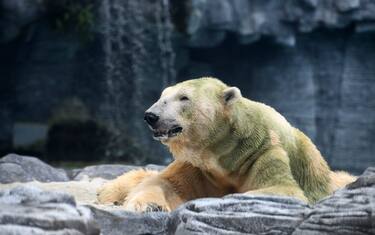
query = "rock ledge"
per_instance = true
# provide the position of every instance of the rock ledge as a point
(26, 210)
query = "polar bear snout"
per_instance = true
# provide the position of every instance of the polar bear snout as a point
(162, 128)
(151, 119)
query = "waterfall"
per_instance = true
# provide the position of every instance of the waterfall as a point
(139, 63)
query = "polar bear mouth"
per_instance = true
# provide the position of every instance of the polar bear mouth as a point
(165, 134)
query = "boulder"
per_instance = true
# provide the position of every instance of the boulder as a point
(29, 210)
(154, 167)
(118, 222)
(108, 171)
(234, 214)
(16, 168)
(240, 214)
(348, 211)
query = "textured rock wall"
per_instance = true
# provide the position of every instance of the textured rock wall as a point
(209, 22)
(6, 114)
(46, 66)
(15, 15)
(353, 144)
(311, 60)
(138, 64)
(114, 74)
(324, 85)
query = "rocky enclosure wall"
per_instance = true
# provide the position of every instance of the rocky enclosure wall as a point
(324, 85)
(311, 60)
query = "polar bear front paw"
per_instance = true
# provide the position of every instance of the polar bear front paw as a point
(110, 193)
(115, 191)
(139, 205)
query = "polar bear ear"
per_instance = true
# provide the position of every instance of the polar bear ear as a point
(231, 94)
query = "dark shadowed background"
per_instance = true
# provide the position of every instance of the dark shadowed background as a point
(77, 75)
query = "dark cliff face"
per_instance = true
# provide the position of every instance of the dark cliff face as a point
(312, 60)
(324, 86)
(54, 75)
(209, 22)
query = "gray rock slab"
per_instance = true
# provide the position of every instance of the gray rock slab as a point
(109, 171)
(16, 168)
(240, 214)
(33, 195)
(119, 222)
(348, 211)
(154, 167)
(29, 210)
(106, 171)
(234, 214)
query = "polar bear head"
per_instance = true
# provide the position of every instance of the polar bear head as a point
(192, 112)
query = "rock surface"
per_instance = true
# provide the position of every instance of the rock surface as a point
(88, 63)
(348, 211)
(25, 209)
(16, 14)
(324, 86)
(16, 168)
(322, 81)
(240, 214)
(28, 210)
(209, 22)
(108, 171)
(117, 222)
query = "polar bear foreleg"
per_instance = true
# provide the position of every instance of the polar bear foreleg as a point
(115, 191)
(176, 184)
(271, 175)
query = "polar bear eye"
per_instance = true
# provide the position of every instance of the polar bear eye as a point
(184, 98)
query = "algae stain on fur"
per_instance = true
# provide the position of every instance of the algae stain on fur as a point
(230, 144)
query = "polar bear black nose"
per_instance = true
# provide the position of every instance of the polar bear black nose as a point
(151, 118)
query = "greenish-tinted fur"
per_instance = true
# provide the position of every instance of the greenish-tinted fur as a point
(187, 113)
(241, 139)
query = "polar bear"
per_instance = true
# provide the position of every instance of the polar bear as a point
(222, 143)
